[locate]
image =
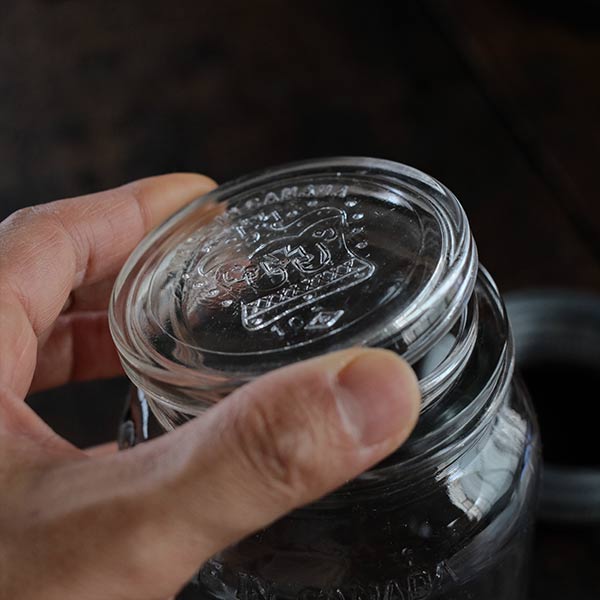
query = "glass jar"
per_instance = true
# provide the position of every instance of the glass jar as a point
(313, 257)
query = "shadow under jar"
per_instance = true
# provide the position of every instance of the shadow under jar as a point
(313, 257)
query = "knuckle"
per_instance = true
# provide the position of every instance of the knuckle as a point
(282, 441)
(48, 227)
(267, 448)
(30, 214)
(23, 215)
(35, 239)
(139, 193)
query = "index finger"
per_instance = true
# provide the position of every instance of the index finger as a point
(48, 250)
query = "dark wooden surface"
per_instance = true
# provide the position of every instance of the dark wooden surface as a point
(500, 100)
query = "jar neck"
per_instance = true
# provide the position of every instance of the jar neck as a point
(464, 381)
(462, 396)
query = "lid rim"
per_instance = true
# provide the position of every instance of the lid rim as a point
(448, 288)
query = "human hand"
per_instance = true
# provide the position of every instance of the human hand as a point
(138, 524)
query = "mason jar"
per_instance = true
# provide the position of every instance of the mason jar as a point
(317, 256)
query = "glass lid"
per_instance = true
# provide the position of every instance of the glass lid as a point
(293, 262)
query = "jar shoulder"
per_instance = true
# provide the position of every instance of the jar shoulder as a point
(502, 464)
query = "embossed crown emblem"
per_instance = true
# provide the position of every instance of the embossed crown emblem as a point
(275, 267)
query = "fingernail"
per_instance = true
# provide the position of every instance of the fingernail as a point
(379, 397)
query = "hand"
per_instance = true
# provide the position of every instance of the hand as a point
(138, 524)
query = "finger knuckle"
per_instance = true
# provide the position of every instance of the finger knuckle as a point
(31, 214)
(139, 192)
(281, 441)
(33, 235)
(44, 225)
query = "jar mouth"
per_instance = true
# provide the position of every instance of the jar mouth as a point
(287, 264)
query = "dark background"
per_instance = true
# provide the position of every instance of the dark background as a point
(499, 100)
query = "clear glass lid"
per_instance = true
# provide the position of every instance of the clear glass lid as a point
(289, 263)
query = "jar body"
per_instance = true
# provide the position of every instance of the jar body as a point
(317, 256)
(461, 531)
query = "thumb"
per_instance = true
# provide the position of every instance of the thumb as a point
(165, 507)
(291, 437)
